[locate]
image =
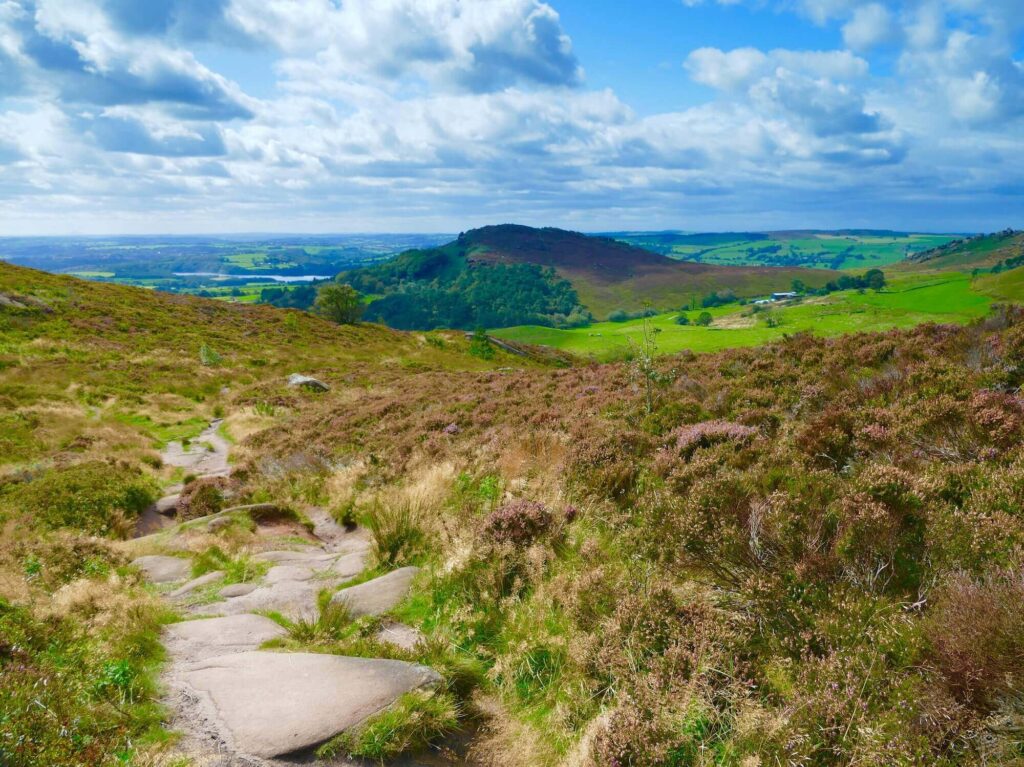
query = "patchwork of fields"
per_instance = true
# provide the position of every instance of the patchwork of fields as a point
(818, 250)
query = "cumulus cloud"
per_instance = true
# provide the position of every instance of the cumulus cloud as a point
(445, 114)
(869, 26)
(478, 46)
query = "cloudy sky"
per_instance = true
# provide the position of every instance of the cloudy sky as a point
(162, 116)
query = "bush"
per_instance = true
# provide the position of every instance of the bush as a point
(94, 497)
(519, 523)
(976, 636)
(202, 497)
(705, 319)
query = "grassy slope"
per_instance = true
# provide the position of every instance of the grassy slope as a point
(907, 302)
(608, 275)
(103, 355)
(976, 252)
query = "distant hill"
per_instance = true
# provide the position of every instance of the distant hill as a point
(852, 249)
(981, 252)
(510, 275)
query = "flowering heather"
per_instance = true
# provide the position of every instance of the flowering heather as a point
(519, 523)
(706, 433)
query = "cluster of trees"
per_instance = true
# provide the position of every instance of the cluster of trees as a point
(872, 279)
(424, 290)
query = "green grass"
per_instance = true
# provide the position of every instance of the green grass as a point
(909, 301)
(162, 433)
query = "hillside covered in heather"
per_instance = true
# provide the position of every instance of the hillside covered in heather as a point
(807, 552)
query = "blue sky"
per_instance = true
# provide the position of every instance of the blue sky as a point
(182, 116)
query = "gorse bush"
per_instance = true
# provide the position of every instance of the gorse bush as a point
(97, 497)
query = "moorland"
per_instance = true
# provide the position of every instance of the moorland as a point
(803, 551)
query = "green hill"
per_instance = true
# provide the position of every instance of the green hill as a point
(510, 275)
(981, 252)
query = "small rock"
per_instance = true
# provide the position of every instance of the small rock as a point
(197, 583)
(400, 635)
(295, 379)
(217, 524)
(160, 569)
(377, 596)
(238, 590)
(272, 704)
(167, 505)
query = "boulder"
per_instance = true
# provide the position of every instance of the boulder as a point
(400, 635)
(312, 384)
(167, 505)
(377, 596)
(271, 704)
(160, 569)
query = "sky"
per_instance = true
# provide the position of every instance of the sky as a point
(331, 116)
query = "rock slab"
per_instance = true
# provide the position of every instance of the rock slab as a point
(377, 596)
(201, 639)
(271, 704)
(160, 569)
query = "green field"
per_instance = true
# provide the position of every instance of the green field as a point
(820, 250)
(907, 302)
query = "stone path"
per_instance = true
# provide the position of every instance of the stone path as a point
(238, 705)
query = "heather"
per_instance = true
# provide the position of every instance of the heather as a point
(806, 553)
(803, 553)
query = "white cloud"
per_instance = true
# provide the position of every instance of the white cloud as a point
(870, 25)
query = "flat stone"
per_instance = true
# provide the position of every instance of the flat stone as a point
(238, 590)
(198, 583)
(159, 569)
(312, 556)
(379, 595)
(293, 599)
(400, 635)
(200, 639)
(270, 704)
(288, 573)
(350, 565)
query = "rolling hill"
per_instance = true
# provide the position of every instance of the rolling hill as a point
(984, 251)
(567, 272)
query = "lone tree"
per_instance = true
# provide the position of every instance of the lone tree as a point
(875, 279)
(705, 319)
(339, 303)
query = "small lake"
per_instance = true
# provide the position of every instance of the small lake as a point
(258, 277)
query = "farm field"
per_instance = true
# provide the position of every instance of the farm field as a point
(908, 301)
(820, 250)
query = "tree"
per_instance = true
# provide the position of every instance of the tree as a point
(874, 279)
(682, 319)
(705, 319)
(339, 303)
(799, 286)
(480, 345)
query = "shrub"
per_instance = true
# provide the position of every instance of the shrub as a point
(480, 345)
(691, 436)
(202, 497)
(519, 523)
(704, 319)
(239, 569)
(93, 497)
(976, 636)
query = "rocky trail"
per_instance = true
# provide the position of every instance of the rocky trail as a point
(234, 702)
